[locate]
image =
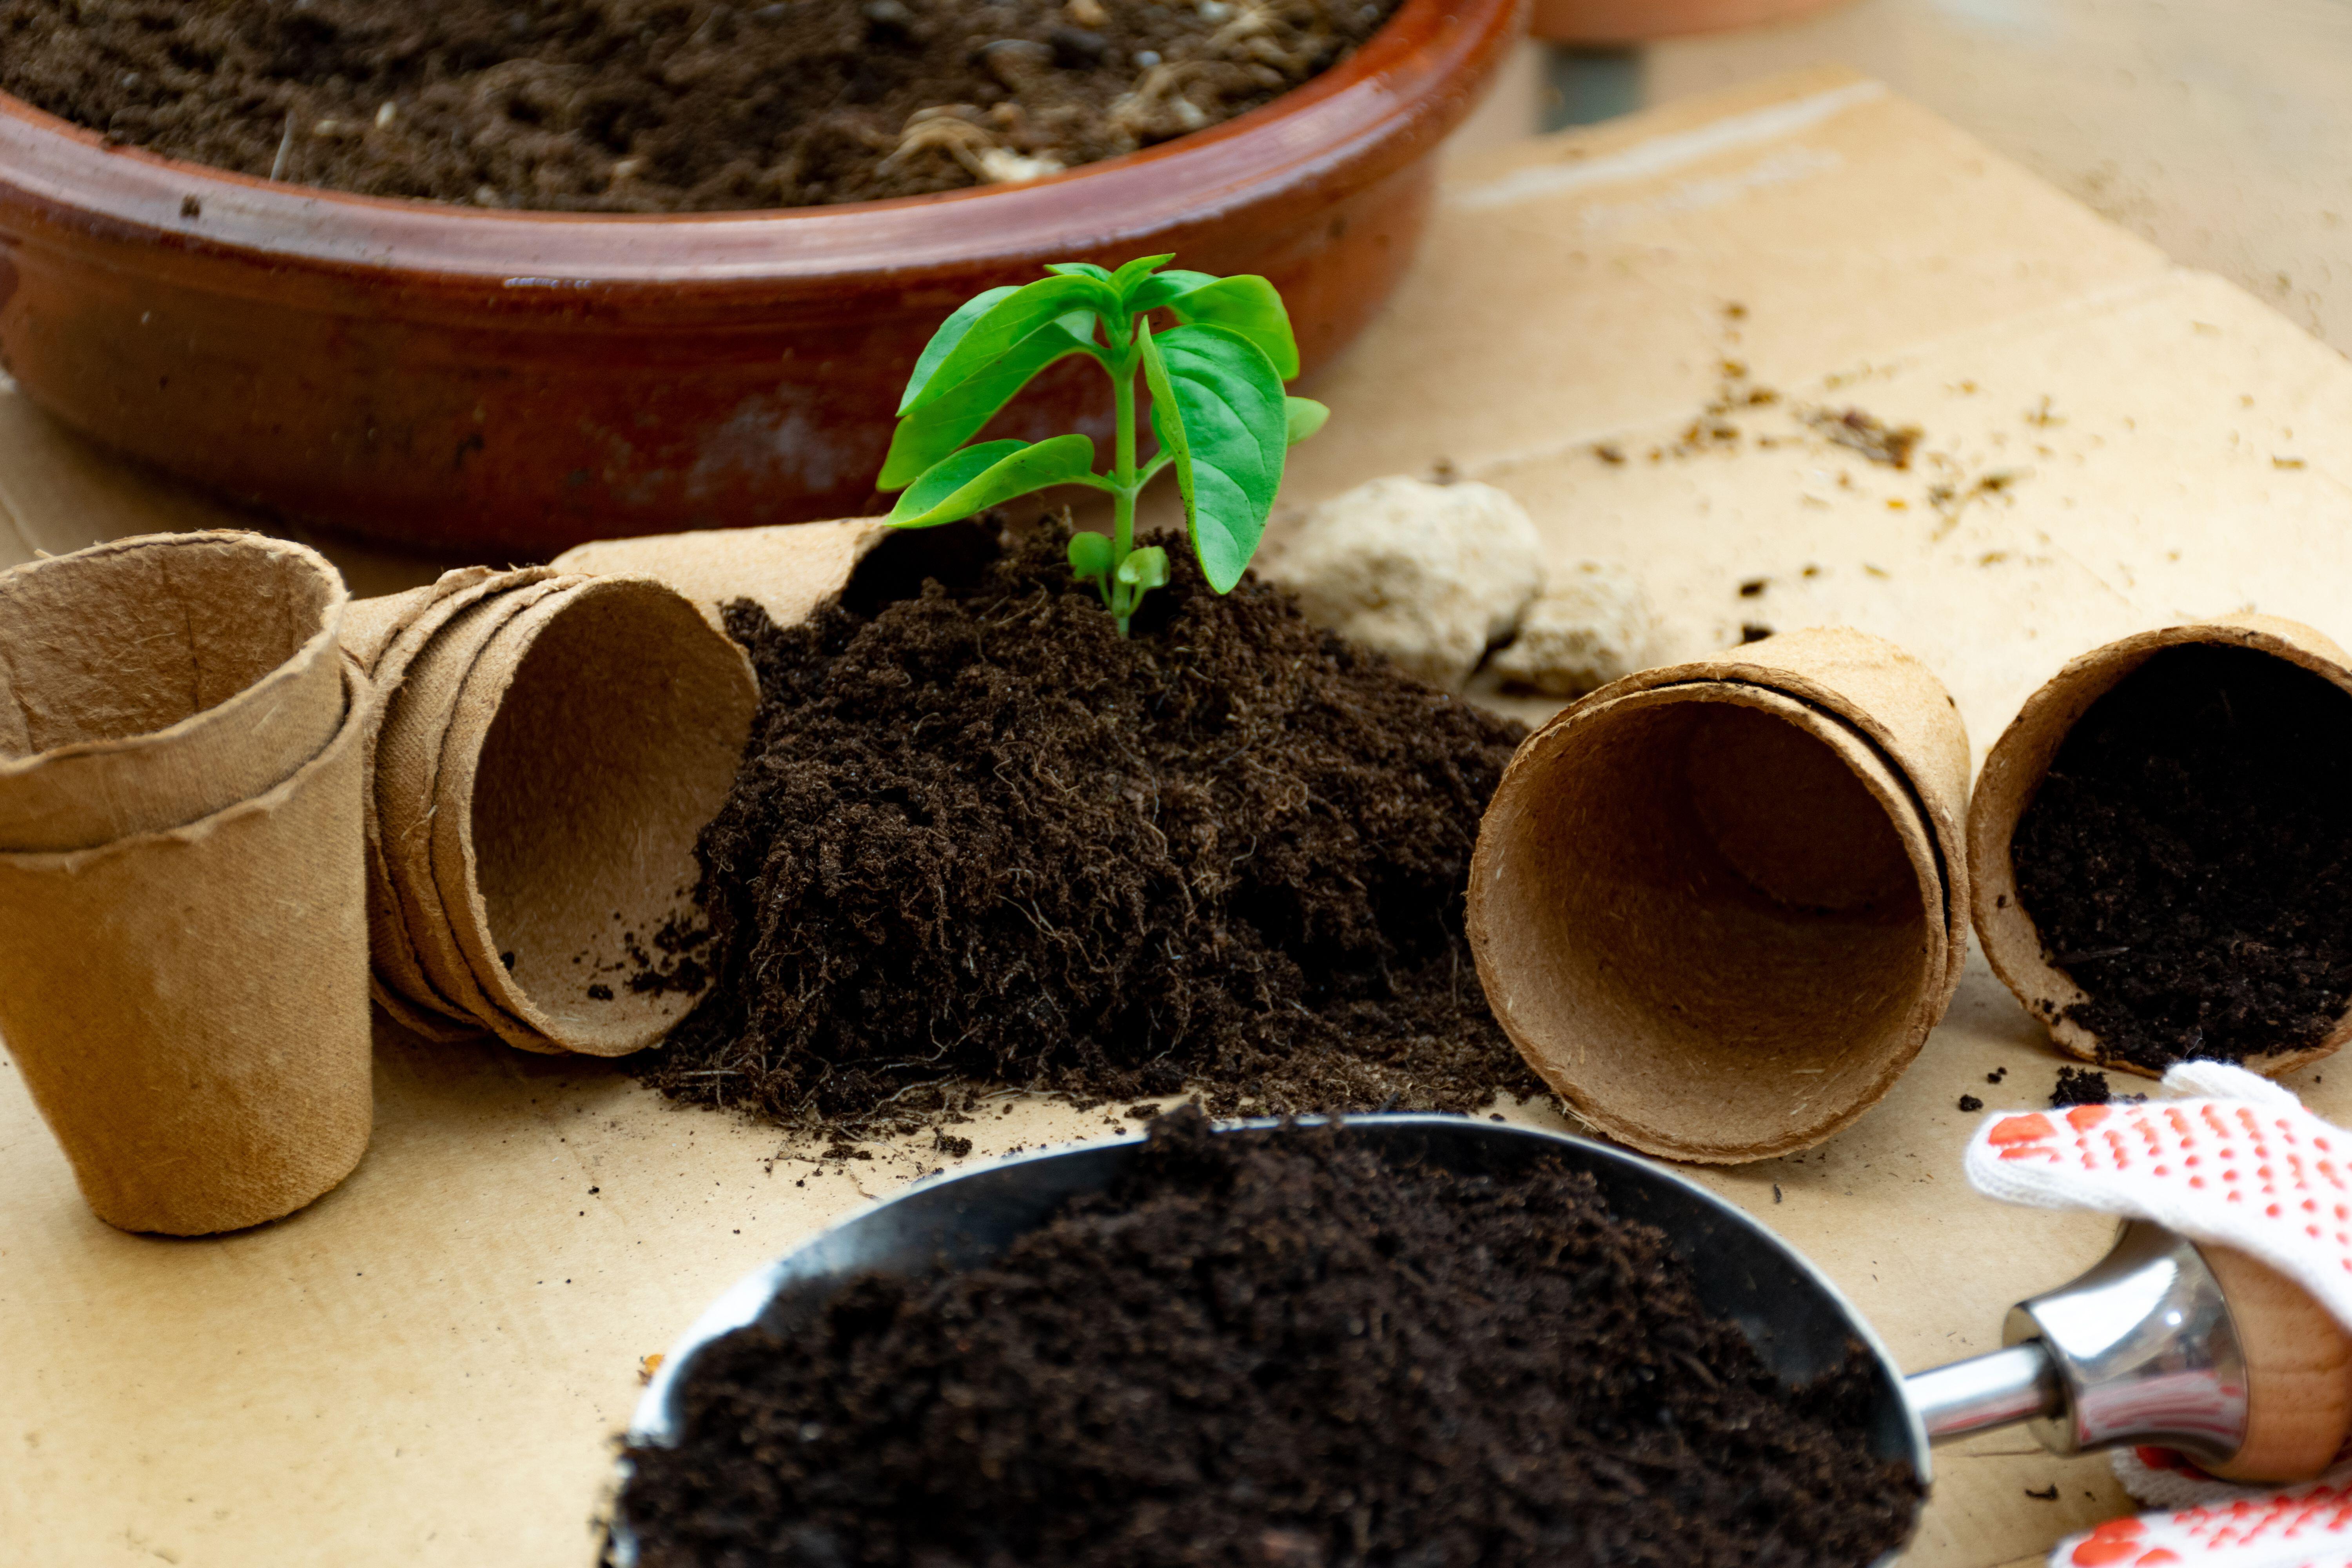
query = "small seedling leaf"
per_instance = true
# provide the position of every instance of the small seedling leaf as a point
(1089, 556)
(1248, 305)
(1304, 416)
(1130, 277)
(992, 333)
(1218, 408)
(1078, 269)
(1162, 289)
(939, 426)
(980, 477)
(951, 332)
(1144, 569)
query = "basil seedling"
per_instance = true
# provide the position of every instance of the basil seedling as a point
(1218, 412)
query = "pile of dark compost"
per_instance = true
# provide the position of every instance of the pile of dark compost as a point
(655, 106)
(981, 840)
(2189, 858)
(1276, 1350)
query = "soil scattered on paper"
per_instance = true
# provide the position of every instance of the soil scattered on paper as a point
(981, 840)
(2080, 1086)
(662, 105)
(1276, 1350)
(2189, 858)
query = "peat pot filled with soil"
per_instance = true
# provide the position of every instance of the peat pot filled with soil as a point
(1406, 1340)
(498, 277)
(2162, 848)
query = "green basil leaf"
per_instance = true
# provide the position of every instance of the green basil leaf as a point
(939, 426)
(1164, 289)
(1247, 305)
(1130, 277)
(1078, 269)
(1304, 416)
(978, 478)
(1089, 555)
(992, 330)
(1218, 408)
(1146, 568)
(950, 333)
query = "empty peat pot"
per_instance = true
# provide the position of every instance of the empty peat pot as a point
(2159, 1342)
(2023, 759)
(182, 947)
(474, 380)
(551, 749)
(1718, 906)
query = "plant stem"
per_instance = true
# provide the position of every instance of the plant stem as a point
(1122, 542)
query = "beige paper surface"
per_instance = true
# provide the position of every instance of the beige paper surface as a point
(428, 1365)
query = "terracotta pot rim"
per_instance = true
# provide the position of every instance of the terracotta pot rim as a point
(1390, 87)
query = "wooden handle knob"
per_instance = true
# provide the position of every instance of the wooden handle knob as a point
(2298, 1372)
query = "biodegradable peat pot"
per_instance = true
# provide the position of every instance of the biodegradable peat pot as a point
(484, 381)
(152, 681)
(185, 980)
(1718, 906)
(554, 744)
(2014, 770)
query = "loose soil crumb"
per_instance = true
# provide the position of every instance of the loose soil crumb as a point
(2189, 858)
(1865, 432)
(2080, 1086)
(662, 105)
(981, 839)
(1271, 1350)
(1970, 1102)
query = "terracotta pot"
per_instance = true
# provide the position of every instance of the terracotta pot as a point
(1615, 22)
(494, 382)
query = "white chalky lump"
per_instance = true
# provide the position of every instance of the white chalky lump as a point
(1590, 626)
(1428, 575)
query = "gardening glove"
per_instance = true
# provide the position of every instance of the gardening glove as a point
(2224, 1157)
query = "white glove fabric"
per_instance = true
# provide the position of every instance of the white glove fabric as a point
(2227, 1157)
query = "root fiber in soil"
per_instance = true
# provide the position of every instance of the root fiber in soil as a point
(1275, 1349)
(981, 840)
(661, 105)
(2189, 858)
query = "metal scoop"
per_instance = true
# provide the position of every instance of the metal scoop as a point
(2140, 1349)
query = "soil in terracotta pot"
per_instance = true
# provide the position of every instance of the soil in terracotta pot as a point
(1276, 1350)
(2189, 858)
(662, 105)
(981, 840)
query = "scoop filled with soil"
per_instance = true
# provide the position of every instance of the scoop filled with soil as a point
(1719, 906)
(1408, 1340)
(2162, 848)
(664, 340)
(981, 840)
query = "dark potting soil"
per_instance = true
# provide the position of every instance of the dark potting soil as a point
(2080, 1086)
(1276, 1350)
(980, 840)
(661, 105)
(2189, 858)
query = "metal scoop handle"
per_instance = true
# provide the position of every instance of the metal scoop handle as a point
(2140, 1350)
